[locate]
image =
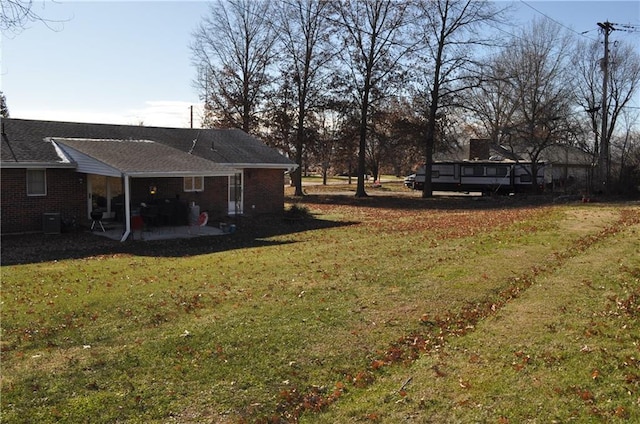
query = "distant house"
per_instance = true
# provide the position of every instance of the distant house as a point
(568, 169)
(70, 170)
(571, 168)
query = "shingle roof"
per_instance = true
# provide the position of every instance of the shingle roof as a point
(142, 157)
(24, 142)
(567, 155)
(28, 151)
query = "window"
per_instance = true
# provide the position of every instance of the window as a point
(446, 169)
(36, 182)
(496, 171)
(193, 183)
(474, 170)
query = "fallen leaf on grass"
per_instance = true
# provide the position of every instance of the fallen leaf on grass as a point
(464, 384)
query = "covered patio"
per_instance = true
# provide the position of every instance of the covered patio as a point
(140, 159)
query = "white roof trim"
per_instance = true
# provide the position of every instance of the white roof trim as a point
(63, 157)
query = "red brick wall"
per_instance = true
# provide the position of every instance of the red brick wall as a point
(213, 199)
(66, 194)
(217, 189)
(264, 189)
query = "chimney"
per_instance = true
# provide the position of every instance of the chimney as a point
(479, 148)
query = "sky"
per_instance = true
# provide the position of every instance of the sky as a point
(128, 62)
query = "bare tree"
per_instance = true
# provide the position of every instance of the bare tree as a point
(16, 14)
(329, 122)
(371, 51)
(491, 103)
(623, 79)
(233, 51)
(302, 27)
(626, 150)
(337, 125)
(450, 28)
(588, 91)
(538, 68)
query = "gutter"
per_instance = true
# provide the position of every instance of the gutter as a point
(174, 174)
(41, 165)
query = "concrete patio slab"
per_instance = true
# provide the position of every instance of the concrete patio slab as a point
(115, 231)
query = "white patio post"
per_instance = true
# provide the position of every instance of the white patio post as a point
(127, 208)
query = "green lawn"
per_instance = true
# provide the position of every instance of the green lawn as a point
(468, 311)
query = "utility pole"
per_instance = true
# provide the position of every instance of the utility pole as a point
(603, 153)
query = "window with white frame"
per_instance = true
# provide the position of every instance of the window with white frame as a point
(193, 183)
(36, 182)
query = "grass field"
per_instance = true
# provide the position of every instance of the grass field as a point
(386, 309)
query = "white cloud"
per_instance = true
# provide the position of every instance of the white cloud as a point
(165, 113)
(160, 113)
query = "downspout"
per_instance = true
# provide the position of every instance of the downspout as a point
(127, 208)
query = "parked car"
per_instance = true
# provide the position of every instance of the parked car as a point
(410, 180)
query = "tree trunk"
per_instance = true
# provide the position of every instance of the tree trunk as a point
(299, 147)
(360, 191)
(427, 190)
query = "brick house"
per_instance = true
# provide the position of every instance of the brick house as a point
(70, 169)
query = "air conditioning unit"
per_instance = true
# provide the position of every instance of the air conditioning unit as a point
(51, 223)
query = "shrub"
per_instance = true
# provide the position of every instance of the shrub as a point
(297, 212)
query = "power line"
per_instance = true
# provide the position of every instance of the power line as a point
(581, 34)
(626, 27)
